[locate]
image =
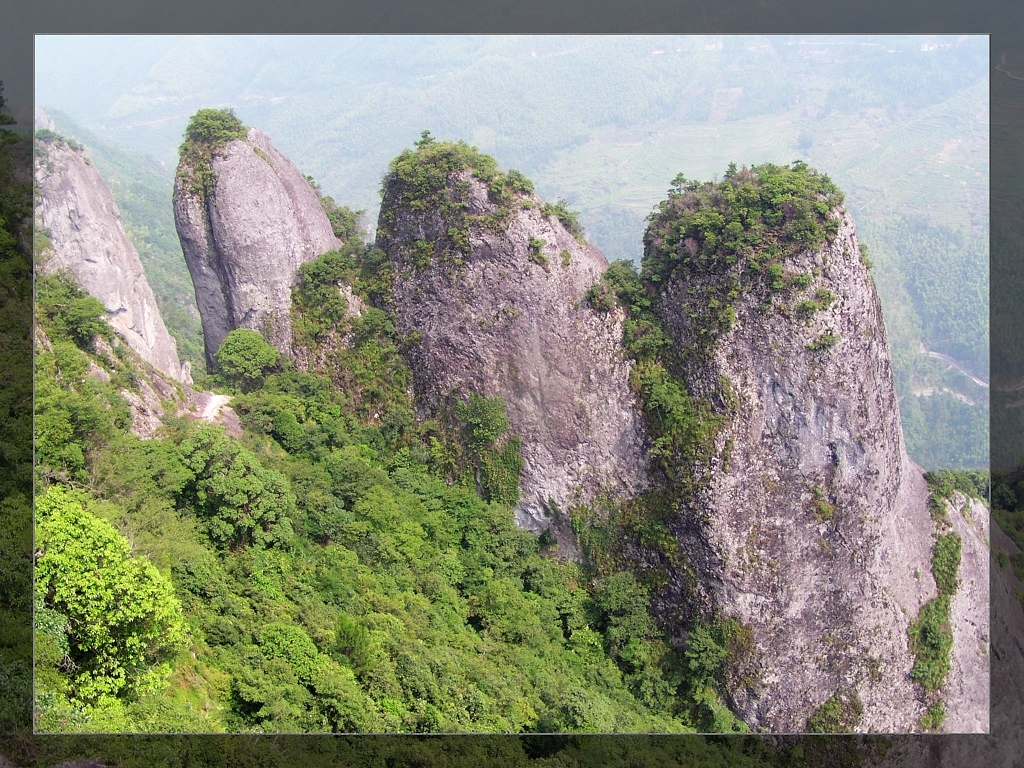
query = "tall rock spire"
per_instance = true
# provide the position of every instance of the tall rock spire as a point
(82, 225)
(247, 220)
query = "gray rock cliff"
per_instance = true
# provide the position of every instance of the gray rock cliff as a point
(508, 321)
(81, 222)
(245, 240)
(817, 535)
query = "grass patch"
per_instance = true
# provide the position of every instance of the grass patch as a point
(933, 719)
(840, 714)
(822, 509)
(946, 563)
(931, 640)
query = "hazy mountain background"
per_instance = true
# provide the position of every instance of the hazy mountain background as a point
(900, 123)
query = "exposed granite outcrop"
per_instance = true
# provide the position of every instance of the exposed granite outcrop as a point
(509, 321)
(817, 533)
(78, 216)
(1004, 744)
(245, 239)
(965, 695)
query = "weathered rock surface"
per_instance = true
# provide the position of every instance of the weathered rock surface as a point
(828, 591)
(966, 693)
(77, 213)
(504, 325)
(244, 243)
(1004, 744)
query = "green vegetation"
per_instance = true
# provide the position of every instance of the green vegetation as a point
(244, 359)
(67, 310)
(108, 619)
(342, 567)
(946, 562)
(492, 452)
(207, 132)
(931, 640)
(840, 714)
(824, 342)
(436, 177)
(943, 483)
(570, 219)
(822, 509)
(933, 719)
(931, 636)
(537, 256)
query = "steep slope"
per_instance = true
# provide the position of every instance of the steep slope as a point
(83, 234)
(488, 287)
(804, 520)
(966, 692)
(247, 219)
(1004, 744)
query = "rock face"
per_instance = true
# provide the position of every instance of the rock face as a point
(509, 322)
(79, 217)
(818, 533)
(1004, 744)
(244, 242)
(966, 693)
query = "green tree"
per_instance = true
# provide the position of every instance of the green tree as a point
(64, 309)
(118, 614)
(245, 359)
(214, 127)
(242, 502)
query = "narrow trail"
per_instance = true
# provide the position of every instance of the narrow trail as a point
(214, 405)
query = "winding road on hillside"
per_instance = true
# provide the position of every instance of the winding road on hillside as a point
(928, 353)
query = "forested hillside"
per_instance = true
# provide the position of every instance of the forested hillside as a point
(339, 568)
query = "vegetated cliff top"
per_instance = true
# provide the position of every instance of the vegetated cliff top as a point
(433, 183)
(748, 224)
(208, 131)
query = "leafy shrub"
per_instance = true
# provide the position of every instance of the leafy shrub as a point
(245, 359)
(537, 256)
(840, 714)
(64, 309)
(824, 342)
(931, 640)
(570, 220)
(946, 562)
(933, 719)
(493, 454)
(822, 509)
(214, 127)
(122, 617)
